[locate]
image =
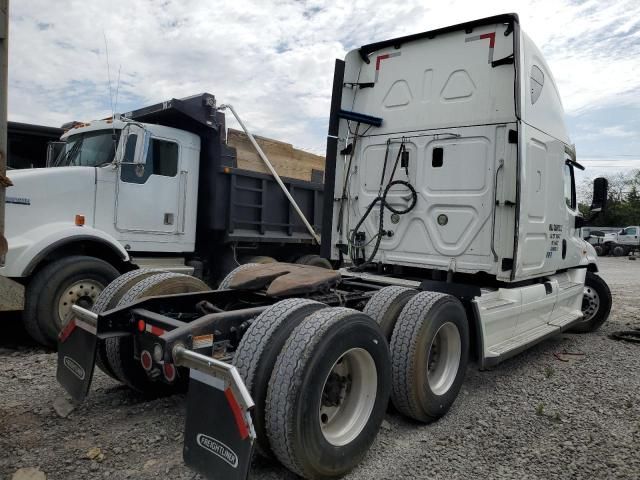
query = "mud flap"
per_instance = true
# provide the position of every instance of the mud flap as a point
(76, 358)
(219, 435)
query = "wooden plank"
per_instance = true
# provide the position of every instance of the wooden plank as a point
(288, 161)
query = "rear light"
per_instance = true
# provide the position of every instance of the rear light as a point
(157, 352)
(169, 372)
(141, 326)
(145, 359)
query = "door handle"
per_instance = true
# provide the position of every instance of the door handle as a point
(493, 220)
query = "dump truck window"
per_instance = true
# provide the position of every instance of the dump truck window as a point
(162, 157)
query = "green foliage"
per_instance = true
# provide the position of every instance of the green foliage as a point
(623, 206)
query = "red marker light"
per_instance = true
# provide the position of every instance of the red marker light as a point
(145, 359)
(169, 372)
(141, 325)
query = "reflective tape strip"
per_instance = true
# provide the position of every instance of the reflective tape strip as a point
(157, 331)
(70, 327)
(237, 413)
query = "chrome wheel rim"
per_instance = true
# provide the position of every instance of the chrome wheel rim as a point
(83, 293)
(444, 358)
(348, 397)
(590, 303)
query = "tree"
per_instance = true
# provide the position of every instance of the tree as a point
(623, 204)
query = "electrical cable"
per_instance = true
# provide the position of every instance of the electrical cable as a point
(382, 199)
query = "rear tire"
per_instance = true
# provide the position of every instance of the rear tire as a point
(619, 251)
(429, 354)
(71, 280)
(226, 281)
(109, 299)
(261, 259)
(328, 393)
(258, 350)
(121, 350)
(600, 251)
(386, 305)
(596, 304)
(314, 260)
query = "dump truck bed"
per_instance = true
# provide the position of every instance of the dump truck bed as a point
(234, 189)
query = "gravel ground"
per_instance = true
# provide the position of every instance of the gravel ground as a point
(542, 414)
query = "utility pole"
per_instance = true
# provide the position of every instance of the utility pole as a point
(4, 67)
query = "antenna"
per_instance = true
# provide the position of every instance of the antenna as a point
(106, 48)
(113, 112)
(115, 107)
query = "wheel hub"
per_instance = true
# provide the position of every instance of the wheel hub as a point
(335, 390)
(348, 397)
(82, 293)
(444, 358)
(590, 303)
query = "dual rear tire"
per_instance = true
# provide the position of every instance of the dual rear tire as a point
(117, 356)
(429, 345)
(320, 379)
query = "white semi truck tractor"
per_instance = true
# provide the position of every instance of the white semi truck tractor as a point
(450, 201)
(157, 187)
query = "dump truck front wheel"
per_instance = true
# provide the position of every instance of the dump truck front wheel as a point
(74, 280)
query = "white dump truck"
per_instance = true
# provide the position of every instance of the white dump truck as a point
(627, 241)
(450, 201)
(162, 186)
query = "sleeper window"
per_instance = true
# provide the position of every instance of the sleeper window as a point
(537, 81)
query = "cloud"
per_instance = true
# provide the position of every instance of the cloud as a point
(274, 59)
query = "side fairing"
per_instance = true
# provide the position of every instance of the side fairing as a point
(546, 240)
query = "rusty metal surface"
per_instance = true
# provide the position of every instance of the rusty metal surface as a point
(283, 279)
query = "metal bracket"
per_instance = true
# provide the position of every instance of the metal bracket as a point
(266, 161)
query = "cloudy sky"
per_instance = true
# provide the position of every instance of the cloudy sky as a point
(274, 59)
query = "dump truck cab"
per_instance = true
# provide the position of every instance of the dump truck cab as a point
(156, 187)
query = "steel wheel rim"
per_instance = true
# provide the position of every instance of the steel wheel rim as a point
(358, 384)
(444, 358)
(83, 292)
(590, 303)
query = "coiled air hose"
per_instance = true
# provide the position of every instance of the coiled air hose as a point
(382, 199)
